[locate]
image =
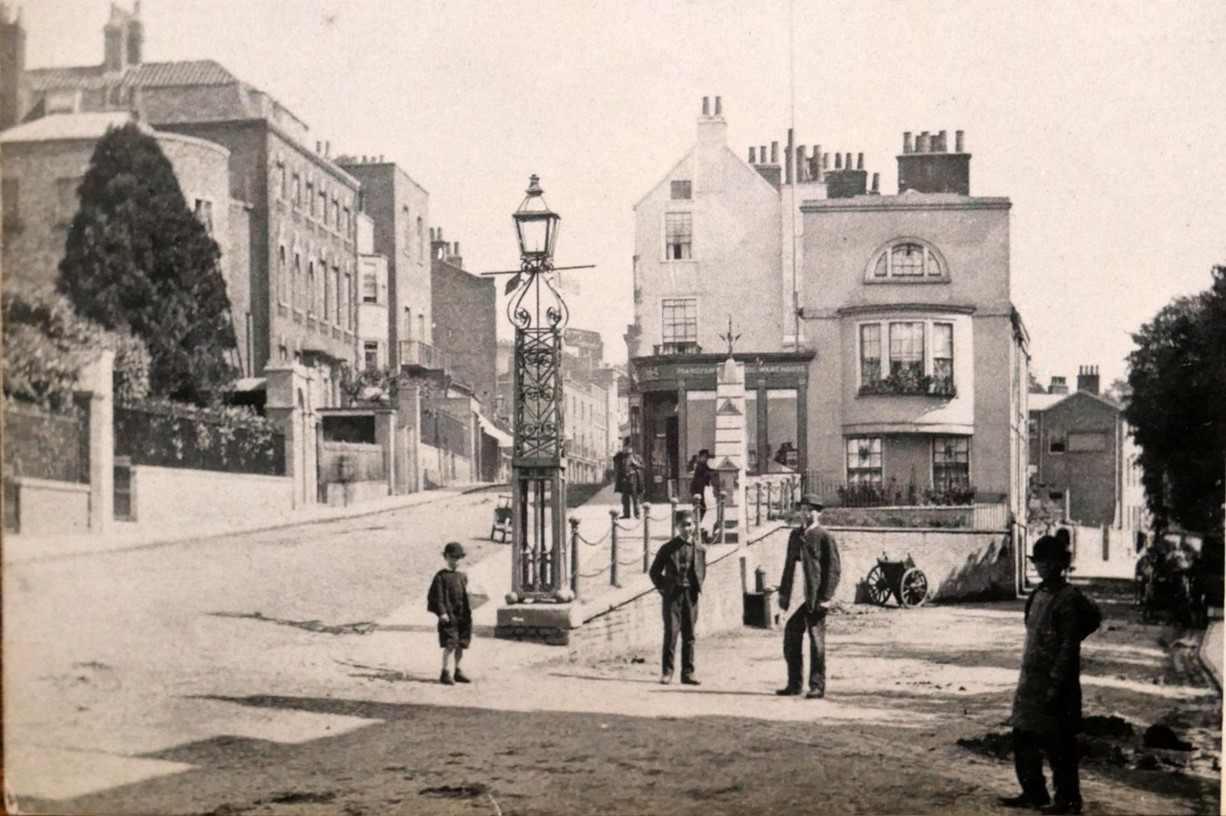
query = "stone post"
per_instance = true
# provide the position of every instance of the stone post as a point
(96, 381)
(731, 448)
(291, 406)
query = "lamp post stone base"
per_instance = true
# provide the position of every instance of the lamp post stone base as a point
(548, 623)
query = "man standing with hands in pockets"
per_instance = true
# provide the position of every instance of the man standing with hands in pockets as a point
(815, 548)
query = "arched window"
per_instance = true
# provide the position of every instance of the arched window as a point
(907, 259)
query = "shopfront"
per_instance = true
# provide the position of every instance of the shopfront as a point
(673, 414)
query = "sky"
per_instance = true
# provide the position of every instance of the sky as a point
(1101, 121)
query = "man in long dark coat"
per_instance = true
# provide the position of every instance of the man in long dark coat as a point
(813, 546)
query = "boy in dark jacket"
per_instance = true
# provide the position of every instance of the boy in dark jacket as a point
(448, 599)
(812, 545)
(1047, 704)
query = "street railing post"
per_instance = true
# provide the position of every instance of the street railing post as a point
(646, 537)
(757, 505)
(672, 517)
(613, 548)
(574, 556)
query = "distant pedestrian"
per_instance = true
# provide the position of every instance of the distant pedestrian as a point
(1047, 704)
(677, 574)
(700, 482)
(818, 553)
(448, 599)
(628, 478)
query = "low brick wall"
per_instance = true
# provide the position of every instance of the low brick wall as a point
(344, 494)
(49, 507)
(959, 565)
(175, 497)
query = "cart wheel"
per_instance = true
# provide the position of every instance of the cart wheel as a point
(913, 588)
(878, 586)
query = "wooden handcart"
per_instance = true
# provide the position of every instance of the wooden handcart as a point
(502, 519)
(902, 579)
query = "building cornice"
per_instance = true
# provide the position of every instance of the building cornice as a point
(875, 308)
(900, 203)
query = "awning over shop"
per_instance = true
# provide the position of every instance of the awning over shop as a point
(505, 440)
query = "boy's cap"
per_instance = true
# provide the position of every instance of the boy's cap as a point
(704, 452)
(1050, 548)
(453, 549)
(811, 500)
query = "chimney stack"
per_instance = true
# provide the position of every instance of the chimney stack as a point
(1058, 386)
(1087, 379)
(931, 168)
(136, 35)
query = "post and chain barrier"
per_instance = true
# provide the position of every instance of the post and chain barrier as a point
(613, 557)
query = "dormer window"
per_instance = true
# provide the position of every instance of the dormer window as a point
(907, 260)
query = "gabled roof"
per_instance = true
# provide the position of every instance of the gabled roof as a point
(1042, 402)
(690, 152)
(145, 75)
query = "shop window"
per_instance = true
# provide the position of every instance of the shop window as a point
(782, 454)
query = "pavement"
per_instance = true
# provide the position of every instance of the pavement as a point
(125, 536)
(1211, 651)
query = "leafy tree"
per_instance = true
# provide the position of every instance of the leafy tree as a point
(46, 344)
(138, 260)
(1177, 375)
(1118, 391)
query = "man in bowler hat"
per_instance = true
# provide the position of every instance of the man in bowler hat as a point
(677, 574)
(813, 546)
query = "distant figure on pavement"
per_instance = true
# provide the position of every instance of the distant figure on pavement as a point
(700, 482)
(1047, 703)
(448, 598)
(677, 574)
(628, 478)
(813, 546)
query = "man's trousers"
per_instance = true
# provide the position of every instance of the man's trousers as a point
(814, 623)
(680, 615)
(1061, 749)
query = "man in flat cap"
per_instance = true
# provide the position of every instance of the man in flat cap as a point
(813, 546)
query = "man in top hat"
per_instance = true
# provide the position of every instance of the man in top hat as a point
(813, 546)
(1047, 704)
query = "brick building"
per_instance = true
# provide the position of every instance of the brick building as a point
(299, 206)
(1082, 456)
(399, 208)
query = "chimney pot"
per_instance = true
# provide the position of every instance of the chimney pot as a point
(825, 161)
(774, 152)
(838, 161)
(876, 179)
(319, 148)
(941, 146)
(706, 106)
(762, 154)
(327, 148)
(719, 107)
(921, 143)
(958, 146)
(859, 161)
(802, 171)
(753, 154)
(906, 141)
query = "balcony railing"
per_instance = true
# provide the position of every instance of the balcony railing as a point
(677, 348)
(908, 383)
(423, 355)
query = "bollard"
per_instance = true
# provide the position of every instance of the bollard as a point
(757, 505)
(574, 556)
(672, 518)
(770, 488)
(646, 537)
(613, 548)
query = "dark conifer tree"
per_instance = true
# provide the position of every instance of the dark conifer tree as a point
(137, 259)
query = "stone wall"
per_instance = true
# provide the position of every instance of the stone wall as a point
(178, 498)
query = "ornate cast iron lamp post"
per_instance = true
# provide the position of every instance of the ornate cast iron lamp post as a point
(538, 463)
